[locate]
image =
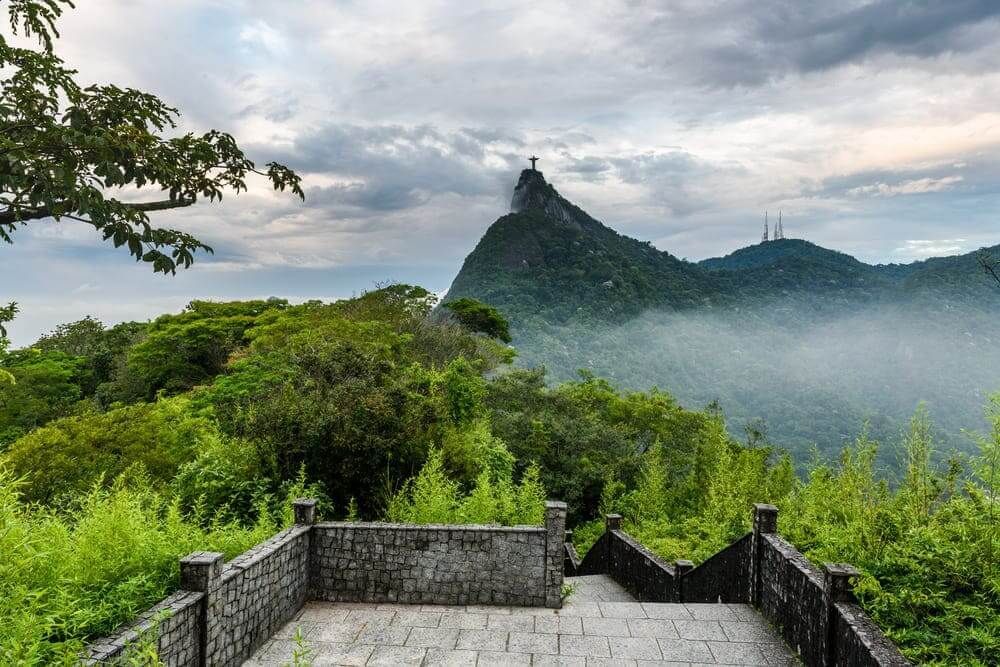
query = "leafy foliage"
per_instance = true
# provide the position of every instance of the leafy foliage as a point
(433, 497)
(82, 571)
(926, 548)
(381, 408)
(70, 455)
(66, 148)
(478, 316)
(44, 386)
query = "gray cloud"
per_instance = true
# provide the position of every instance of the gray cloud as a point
(872, 124)
(753, 42)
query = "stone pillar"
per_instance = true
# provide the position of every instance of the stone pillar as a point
(681, 567)
(765, 522)
(555, 545)
(201, 571)
(837, 587)
(305, 511)
(612, 522)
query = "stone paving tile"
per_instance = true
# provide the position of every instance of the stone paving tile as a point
(735, 653)
(581, 608)
(530, 642)
(463, 621)
(622, 610)
(661, 663)
(486, 609)
(584, 645)
(535, 611)
(288, 629)
(606, 627)
(558, 661)
(652, 627)
(417, 619)
(482, 640)
(384, 635)
(339, 654)
(685, 650)
(668, 610)
(320, 611)
(559, 625)
(778, 654)
(711, 612)
(443, 608)
(338, 631)
(433, 637)
(611, 662)
(371, 616)
(510, 623)
(397, 655)
(748, 632)
(744, 612)
(437, 657)
(700, 630)
(497, 658)
(634, 648)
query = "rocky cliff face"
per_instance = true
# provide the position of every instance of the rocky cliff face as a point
(533, 192)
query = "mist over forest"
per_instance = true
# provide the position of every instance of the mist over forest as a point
(808, 380)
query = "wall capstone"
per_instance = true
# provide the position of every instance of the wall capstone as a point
(305, 511)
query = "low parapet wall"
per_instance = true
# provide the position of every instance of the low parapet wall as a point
(225, 612)
(364, 562)
(813, 609)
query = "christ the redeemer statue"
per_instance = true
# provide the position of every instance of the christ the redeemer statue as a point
(533, 161)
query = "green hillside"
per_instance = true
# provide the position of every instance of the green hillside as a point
(809, 341)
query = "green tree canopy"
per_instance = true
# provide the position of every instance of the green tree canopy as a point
(67, 150)
(480, 317)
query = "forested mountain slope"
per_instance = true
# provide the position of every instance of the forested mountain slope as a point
(808, 341)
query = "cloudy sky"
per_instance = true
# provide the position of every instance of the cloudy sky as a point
(873, 125)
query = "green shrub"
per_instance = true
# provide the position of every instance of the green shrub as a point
(70, 454)
(433, 497)
(77, 574)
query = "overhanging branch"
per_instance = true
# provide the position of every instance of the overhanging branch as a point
(11, 216)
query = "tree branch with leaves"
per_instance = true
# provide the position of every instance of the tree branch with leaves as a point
(66, 149)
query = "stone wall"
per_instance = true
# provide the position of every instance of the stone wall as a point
(791, 597)
(171, 625)
(814, 610)
(224, 612)
(257, 593)
(377, 562)
(641, 572)
(724, 577)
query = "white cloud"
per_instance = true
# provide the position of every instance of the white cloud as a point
(911, 187)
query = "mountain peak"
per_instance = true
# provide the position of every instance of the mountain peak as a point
(533, 192)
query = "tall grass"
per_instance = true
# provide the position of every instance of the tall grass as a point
(77, 572)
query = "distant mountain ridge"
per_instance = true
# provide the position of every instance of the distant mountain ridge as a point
(812, 341)
(549, 260)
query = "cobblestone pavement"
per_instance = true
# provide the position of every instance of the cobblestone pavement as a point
(600, 624)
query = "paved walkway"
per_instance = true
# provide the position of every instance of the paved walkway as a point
(600, 624)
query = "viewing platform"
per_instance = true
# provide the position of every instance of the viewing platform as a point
(599, 623)
(349, 593)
